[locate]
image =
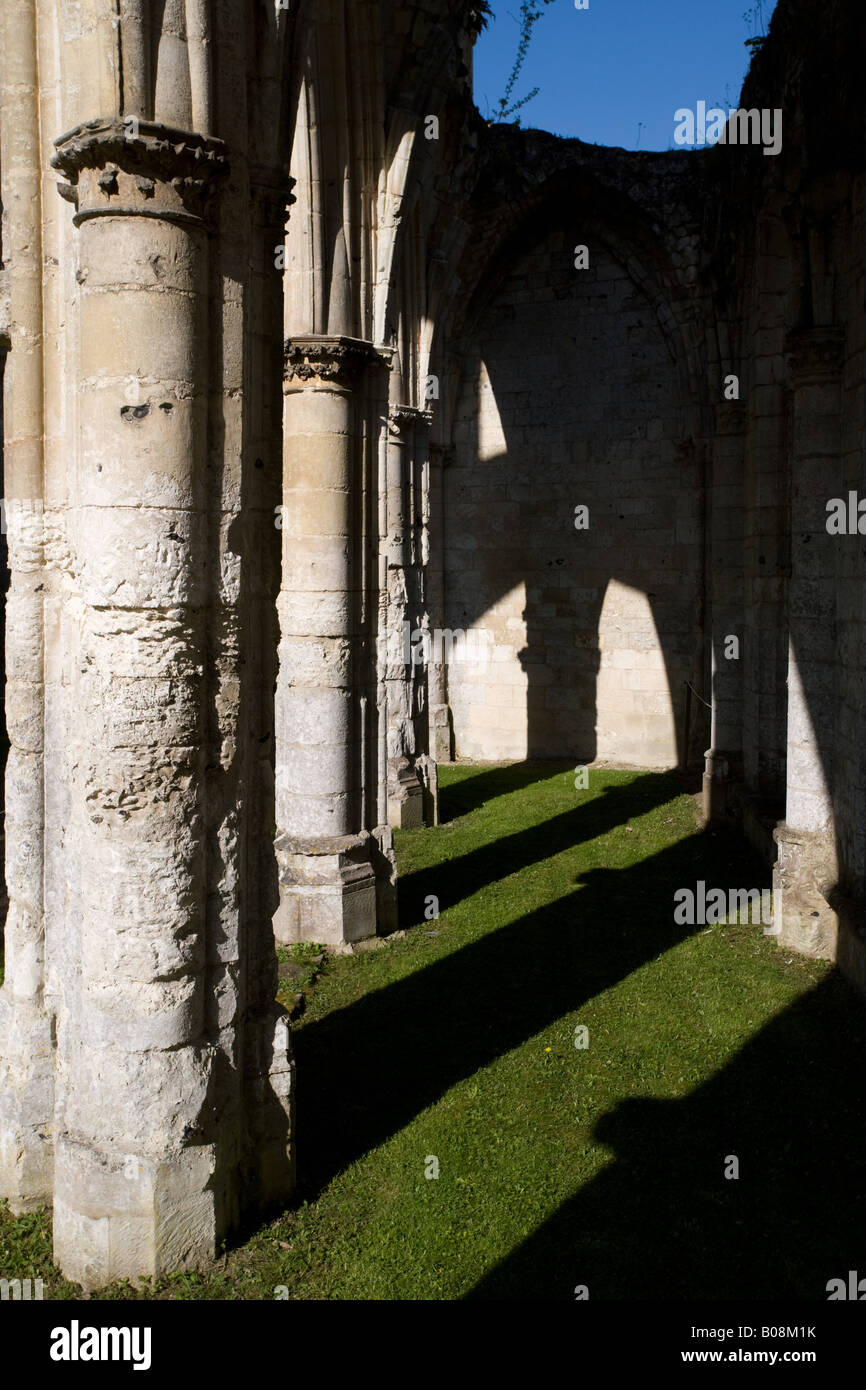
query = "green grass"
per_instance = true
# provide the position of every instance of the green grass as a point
(558, 1165)
(308, 960)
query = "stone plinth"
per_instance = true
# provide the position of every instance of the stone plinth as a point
(330, 888)
(722, 772)
(805, 873)
(406, 803)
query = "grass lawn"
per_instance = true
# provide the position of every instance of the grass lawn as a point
(559, 1165)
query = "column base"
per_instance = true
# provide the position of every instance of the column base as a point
(428, 771)
(405, 797)
(441, 734)
(128, 1216)
(269, 1088)
(26, 1106)
(327, 890)
(722, 772)
(806, 872)
(385, 866)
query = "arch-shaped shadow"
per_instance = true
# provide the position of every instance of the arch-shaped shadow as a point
(468, 794)
(625, 442)
(510, 853)
(367, 1070)
(663, 1222)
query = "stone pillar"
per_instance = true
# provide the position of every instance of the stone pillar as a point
(425, 763)
(406, 672)
(441, 733)
(723, 767)
(254, 1029)
(26, 1028)
(765, 538)
(807, 869)
(147, 1128)
(325, 851)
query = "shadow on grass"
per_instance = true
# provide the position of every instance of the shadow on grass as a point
(365, 1071)
(596, 814)
(663, 1222)
(469, 793)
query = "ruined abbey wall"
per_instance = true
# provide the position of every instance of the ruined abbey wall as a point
(570, 397)
(298, 358)
(751, 265)
(788, 264)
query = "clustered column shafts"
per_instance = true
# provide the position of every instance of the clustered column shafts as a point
(268, 1068)
(408, 427)
(439, 712)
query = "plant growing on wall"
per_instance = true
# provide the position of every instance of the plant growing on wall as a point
(756, 21)
(477, 17)
(530, 14)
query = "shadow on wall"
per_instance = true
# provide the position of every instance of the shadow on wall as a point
(572, 397)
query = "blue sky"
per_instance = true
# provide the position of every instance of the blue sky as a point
(605, 69)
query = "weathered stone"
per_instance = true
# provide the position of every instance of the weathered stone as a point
(293, 511)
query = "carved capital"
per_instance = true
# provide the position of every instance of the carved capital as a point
(134, 168)
(403, 418)
(272, 195)
(815, 354)
(319, 358)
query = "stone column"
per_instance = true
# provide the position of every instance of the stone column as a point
(441, 733)
(425, 762)
(268, 1097)
(325, 851)
(807, 869)
(26, 1031)
(144, 1167)
(406, 672)
(723, 767)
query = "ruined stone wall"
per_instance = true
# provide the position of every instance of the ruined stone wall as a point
(572, 399)
(213, 731)
(785, 252)
(578, 385)
(759, 283)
